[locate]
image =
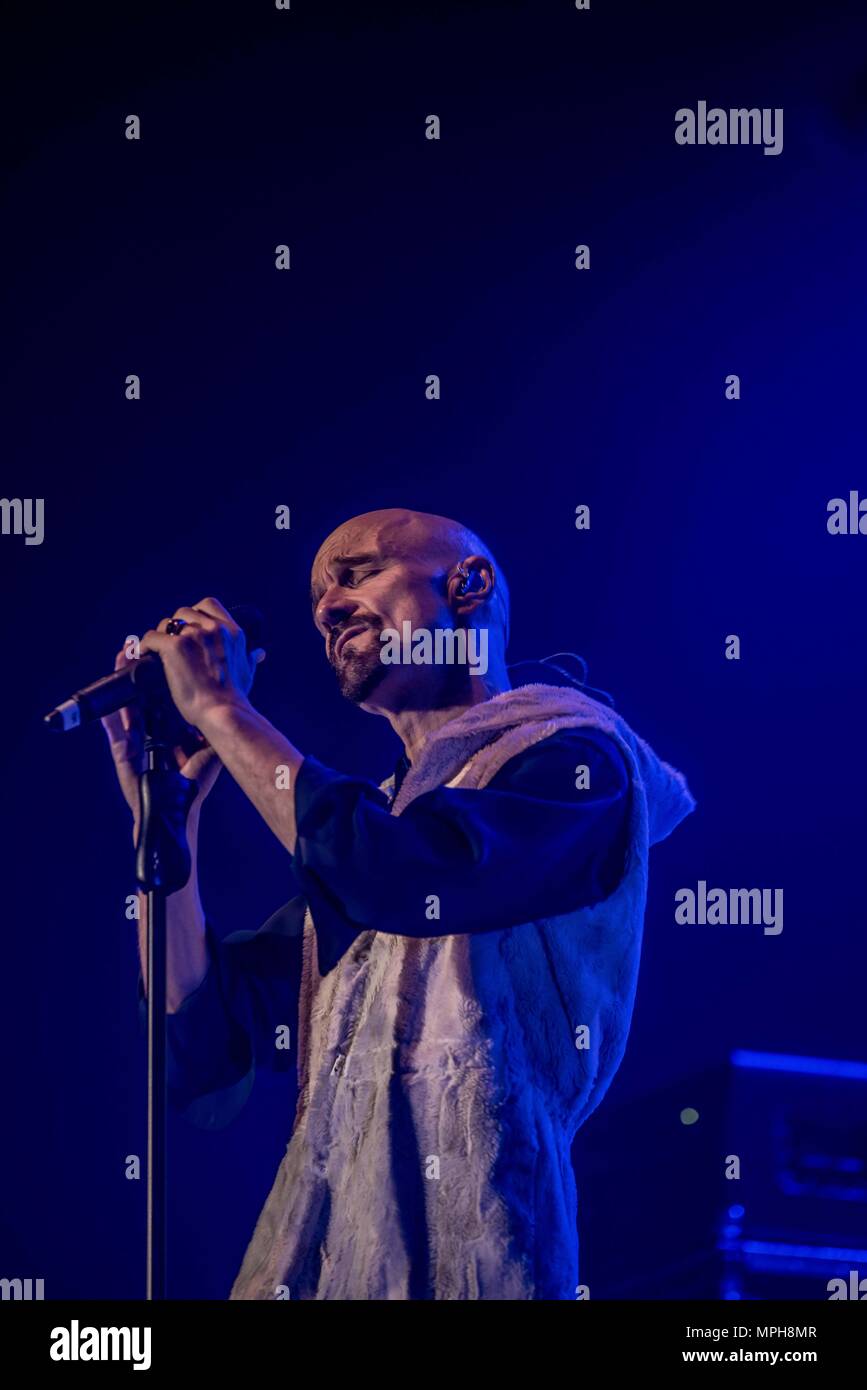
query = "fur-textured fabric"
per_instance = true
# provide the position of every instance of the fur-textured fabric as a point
(441, 1084)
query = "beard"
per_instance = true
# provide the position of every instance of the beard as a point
(359, 672)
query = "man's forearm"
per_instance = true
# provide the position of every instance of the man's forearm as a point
(186, 951)
(261, 760)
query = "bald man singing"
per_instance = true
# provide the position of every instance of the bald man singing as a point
(459, 967)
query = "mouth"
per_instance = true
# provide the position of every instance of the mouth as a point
(347, 636)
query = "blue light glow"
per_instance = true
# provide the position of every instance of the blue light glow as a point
(805, 1066)
(808, 1252)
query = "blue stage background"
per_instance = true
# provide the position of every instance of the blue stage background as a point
(559, 387)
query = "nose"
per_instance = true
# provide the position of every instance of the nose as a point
(334, 607)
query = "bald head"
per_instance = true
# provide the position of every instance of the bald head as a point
(386, 568)
(400, 534)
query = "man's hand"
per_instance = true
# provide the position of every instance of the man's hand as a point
(209, 675)
(125, 731)
(206, 665)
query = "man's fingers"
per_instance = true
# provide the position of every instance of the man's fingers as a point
(121, 721)
(207, 614)
(114, 727)
(191, 617)
(214, 609)
(156, 641)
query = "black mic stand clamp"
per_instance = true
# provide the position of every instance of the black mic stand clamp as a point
(162, 866)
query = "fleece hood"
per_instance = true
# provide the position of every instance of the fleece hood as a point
(542, 710)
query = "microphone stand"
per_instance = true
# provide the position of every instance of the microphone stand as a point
(162, 867)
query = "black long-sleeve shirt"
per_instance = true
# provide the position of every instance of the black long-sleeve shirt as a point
(531, 844)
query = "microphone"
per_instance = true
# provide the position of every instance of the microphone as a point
(145, 679)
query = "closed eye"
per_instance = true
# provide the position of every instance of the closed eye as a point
(358, 579)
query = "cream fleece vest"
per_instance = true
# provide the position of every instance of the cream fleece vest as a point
(440, 1082)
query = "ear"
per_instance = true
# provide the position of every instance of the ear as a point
(467, 591)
